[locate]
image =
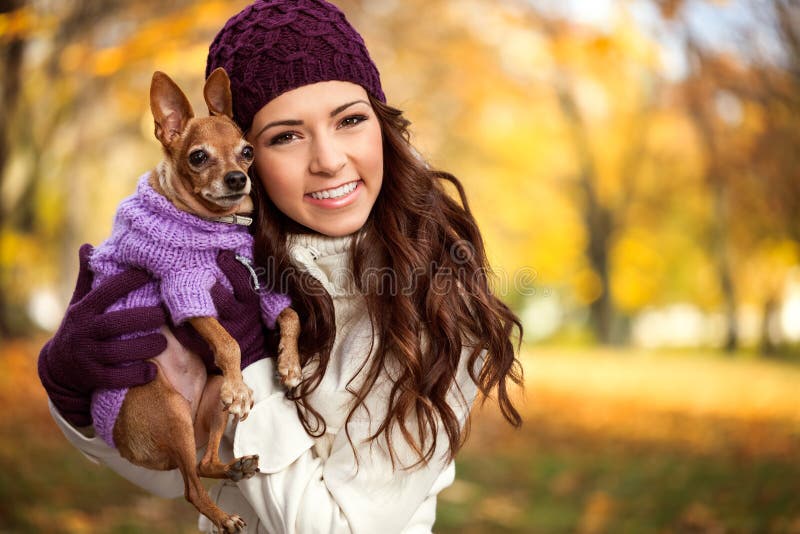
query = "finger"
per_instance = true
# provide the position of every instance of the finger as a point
(224, 300)
(84, 253)
(124, 351)
(238, 275)
(115, 287)
(84, 283)
(128, 376)
(123, 322)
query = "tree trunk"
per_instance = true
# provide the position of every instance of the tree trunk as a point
(769, 326)
(597, 219)
(723, 265)
(602, 309)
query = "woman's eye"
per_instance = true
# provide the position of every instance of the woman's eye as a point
(247, 152)
(198, 157)
(282, 139)
(352, 120)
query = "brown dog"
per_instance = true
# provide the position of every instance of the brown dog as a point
(161, 424)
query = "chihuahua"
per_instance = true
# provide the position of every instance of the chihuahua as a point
(160, 425)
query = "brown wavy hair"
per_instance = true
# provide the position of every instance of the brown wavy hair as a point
(429, 243)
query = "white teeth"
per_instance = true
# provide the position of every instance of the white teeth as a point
(340, 191)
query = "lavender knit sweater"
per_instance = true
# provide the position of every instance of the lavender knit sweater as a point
(180, 251)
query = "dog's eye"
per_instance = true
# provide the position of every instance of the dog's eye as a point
(198, 157)
(247, 152)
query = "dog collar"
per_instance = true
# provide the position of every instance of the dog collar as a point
(242, 220)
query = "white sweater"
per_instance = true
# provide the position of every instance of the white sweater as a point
(309, 485)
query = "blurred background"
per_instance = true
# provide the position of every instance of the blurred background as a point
(635, 169)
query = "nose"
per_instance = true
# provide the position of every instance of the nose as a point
(236, 180)
(327, 156)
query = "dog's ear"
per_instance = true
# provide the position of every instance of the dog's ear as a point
(218, 93)
(171, 109)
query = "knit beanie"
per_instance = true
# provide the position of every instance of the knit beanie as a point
(274, 46)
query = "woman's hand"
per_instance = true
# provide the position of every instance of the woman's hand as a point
(85, 353)
(239, 313)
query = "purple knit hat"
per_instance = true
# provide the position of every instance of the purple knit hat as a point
(274, 46)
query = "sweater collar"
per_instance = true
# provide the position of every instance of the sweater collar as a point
(157, 204)
(320, 245)
(326, 259)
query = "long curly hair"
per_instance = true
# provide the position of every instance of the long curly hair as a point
(431, 245)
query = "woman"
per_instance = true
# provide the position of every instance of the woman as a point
(400, 329)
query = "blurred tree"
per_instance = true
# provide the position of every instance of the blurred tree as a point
(778, 157)
(702, 87)
(777, 152)
(12, 45)
(607, 92)
(746, 108)
(603, 216)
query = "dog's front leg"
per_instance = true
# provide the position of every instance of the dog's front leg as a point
(236, 396)
(288, 353)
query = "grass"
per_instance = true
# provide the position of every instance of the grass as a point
(612, 441)
(635, 442)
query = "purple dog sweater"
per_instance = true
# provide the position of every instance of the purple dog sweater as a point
(180, 251)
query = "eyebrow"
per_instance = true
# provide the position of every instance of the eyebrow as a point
(295, 122)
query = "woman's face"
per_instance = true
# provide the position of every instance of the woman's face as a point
(319, 155)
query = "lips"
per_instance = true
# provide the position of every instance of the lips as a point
(349, 193)
(335, 192)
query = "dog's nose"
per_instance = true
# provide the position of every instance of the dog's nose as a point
(236, 180)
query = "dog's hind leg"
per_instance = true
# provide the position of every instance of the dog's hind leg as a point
(197, 495)
(155, 429)
(210, 416)
(184, 453)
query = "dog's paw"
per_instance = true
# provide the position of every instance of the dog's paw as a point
(291, 378)
(289, 367)
(232, 524)
(236, 397)
(243, 468)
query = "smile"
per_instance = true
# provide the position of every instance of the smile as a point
(336, 197)
(337, 192)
